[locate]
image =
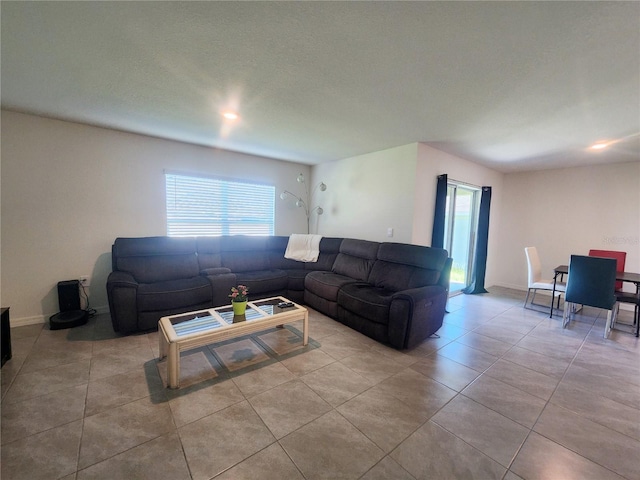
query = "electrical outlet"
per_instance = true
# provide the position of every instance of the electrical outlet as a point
(84, 280)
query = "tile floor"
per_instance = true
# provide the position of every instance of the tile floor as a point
(503, 393)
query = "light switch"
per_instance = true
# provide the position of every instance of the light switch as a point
(389, 232)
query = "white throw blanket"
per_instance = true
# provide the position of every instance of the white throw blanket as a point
(304, 248)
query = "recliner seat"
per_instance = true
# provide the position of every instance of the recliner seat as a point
(352, 264)
(403, 301)
(154, 277)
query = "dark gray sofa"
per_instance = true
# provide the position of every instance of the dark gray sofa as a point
(395, 293)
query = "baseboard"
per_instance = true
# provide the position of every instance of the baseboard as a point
(38, 319)
(510, 285)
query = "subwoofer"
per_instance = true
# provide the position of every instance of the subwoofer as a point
(69, 295)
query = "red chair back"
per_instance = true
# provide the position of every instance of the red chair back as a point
(620, 257)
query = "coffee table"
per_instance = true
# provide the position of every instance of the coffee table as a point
(186, 331)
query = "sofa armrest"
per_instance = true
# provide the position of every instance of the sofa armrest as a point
(221, 283)
(121, 279)
(416, 314)
(122, 291)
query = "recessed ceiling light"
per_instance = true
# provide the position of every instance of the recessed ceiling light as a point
(230, 115)
(599, 146)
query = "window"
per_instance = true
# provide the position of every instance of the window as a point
(211, 206)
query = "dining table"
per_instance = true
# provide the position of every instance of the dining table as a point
(561, 270)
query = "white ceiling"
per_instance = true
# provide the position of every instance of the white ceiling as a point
(511, 85)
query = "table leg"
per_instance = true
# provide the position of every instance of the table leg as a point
(553, 293)
(173, 366)
(305, 329)
(636, 311)
(162, 343)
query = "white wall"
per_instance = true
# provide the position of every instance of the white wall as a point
(396, 188)
(368, 194)
(68, 190)
(569, 211)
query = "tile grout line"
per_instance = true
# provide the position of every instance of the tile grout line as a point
(584, 341)
(548, 402)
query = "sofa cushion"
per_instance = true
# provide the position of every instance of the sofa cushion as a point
(296, 279)
(132, 247)
(329, 249)
(366, 301)
(277, 260)
(278, 243)
(276, 246)
(245, 261)
(416, 255)
(402, 266)
(244, 243)
(396, 277)
(326, 284)
(215, 271)
(156, 259)
(221, 284)
(377, 331)
(262, 281)
(209, 252)
(356, 258)
(243, 253)
(173, 294)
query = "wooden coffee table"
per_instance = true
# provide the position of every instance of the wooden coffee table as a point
(185, 331)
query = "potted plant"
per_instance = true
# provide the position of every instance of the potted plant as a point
(239, 297)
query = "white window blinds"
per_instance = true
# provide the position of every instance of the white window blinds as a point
(211, 206)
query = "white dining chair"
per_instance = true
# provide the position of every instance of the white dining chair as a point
(535, 280)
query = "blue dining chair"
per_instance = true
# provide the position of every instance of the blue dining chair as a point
(621, 296)
(591, 282)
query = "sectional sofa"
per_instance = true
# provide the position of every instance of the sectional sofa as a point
(394, 293)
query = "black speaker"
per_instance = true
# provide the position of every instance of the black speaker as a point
(70, 314)
(69, 295)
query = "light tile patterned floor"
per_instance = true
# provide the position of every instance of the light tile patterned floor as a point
(503, 393)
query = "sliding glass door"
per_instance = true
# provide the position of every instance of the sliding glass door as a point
(460, 231)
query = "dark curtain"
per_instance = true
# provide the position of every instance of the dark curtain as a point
(480, 263)
(437, 234)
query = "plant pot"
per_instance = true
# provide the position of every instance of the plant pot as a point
(239, 308)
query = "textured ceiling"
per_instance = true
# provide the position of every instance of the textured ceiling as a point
(511, 85)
